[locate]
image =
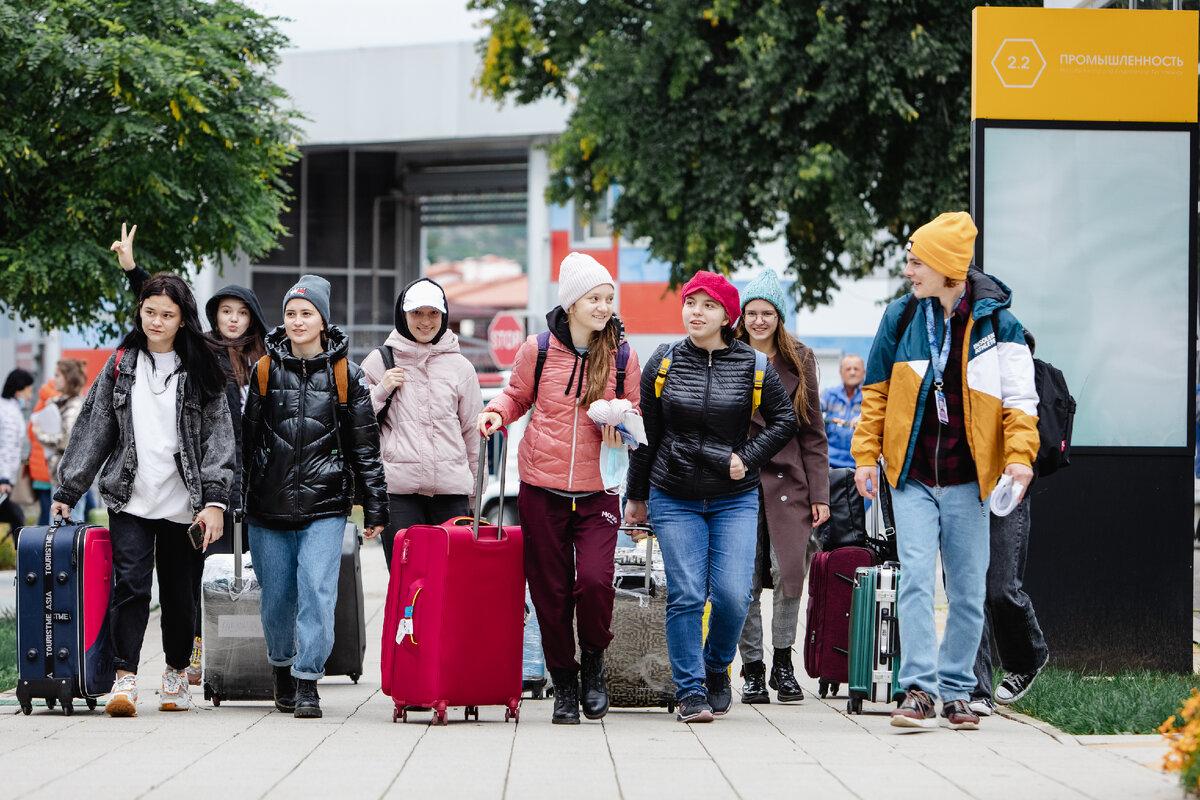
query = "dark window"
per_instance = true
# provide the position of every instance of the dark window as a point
(366, 300)
(374, 178)
(327, 207)
(289, 253)
(270, 288)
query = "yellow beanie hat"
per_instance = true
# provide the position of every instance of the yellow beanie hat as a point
(947, 244)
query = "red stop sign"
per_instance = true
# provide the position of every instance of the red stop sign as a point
(505, 335)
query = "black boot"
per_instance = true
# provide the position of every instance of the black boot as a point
(566, 697)
(594, 689)
(754, 689)
(285, 689)
(308, 702)
(783, 679)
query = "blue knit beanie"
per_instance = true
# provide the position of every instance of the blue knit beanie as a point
(315, 290)
(765, 287)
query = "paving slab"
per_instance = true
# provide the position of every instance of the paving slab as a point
(248, 750)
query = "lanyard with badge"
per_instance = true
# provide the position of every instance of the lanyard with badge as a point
(939, 357)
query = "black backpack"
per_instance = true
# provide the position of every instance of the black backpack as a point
(1055, 408)
(1056, 417)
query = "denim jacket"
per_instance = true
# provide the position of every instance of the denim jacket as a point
(102, 441)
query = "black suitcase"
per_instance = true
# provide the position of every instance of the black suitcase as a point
(64, 583)
(350, 621)
(847, 524)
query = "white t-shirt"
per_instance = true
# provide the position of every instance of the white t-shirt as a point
(158, 489)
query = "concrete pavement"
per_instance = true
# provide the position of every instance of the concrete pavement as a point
(813, 748)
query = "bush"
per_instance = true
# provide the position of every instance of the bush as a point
(1183, 731)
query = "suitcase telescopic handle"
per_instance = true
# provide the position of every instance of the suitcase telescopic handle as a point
(481, 475)
(237, 556)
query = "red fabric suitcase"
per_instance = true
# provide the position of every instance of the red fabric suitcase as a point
(453, 626)
(827, 631)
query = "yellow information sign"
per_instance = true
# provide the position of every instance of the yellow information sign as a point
(1084, 64)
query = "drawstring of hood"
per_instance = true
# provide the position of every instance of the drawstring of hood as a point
(578, 365)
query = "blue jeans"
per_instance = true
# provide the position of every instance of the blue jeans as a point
(298, 572)
(954, 520)
(708, 550)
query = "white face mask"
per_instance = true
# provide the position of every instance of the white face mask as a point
(614, 463)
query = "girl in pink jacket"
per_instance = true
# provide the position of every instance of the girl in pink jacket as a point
(568, 518)
(427, 436)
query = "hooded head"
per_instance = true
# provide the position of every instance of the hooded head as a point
(258, 322)
(421, 293)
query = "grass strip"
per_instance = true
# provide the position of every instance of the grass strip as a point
(1127, 702)
(8, 651)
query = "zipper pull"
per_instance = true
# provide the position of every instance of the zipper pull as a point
(304, 367)
(710, 359)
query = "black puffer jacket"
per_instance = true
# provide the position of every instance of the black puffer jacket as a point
(298, 464)
(702, 418)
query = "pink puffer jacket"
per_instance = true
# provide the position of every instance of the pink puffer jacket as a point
(429, 443)
(560, 448)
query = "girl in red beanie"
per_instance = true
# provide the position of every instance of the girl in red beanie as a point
(698, 480)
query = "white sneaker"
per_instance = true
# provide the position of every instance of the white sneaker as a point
(122, 700)
(176, 693)
(983, 707)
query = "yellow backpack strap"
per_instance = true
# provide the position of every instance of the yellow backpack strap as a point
(342, 380)
(263, 368)
(760, 369)
(662, 370)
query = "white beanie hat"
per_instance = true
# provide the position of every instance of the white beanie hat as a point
(576, 275)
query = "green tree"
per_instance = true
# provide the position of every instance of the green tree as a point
(840, 125)
(156, 112)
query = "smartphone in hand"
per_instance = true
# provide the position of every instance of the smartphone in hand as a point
(195, 534)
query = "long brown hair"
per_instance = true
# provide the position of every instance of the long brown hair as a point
(788, 347)
(244, 352)
(601, 346)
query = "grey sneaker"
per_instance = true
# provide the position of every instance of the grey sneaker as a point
(915, 711)
(694, 708)
(1016, 684)
(983, 706)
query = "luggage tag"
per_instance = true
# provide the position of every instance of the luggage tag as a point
(942, 411)
(406, 628)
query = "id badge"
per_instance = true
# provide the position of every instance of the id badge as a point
(943, 412)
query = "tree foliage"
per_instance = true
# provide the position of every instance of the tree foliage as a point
(840, 125)
(155, 112)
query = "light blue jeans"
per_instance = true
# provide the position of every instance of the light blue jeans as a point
(708, 550)
(954, 520)
(298, 572)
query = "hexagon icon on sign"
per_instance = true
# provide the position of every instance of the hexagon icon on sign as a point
(1018, 63)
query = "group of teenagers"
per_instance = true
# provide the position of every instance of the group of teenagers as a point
(278, 427)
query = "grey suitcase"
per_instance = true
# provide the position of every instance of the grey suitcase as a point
(235, 653)
(349, 617)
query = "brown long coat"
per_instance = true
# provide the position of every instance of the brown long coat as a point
(796, 477)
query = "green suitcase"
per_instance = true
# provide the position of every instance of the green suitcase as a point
(874, 637)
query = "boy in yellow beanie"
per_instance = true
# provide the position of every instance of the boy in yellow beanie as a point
(949, 402)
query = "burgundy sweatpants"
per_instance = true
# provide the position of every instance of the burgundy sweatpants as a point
(569, 567)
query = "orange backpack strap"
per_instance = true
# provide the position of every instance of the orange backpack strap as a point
(341, 378)
(263, 368)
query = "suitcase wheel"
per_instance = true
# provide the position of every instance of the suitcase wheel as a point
(91, 704)
(470, 711)
(68, 708)
(834, 688)
(27, 708)
(854, 705)
(822, 688)
(216, 700)
(398, 714)
(514, 714)
(50, 701)
(671, 707)
(354, 676)
(439, 717)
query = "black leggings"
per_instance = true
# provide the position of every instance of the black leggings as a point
(405, 510)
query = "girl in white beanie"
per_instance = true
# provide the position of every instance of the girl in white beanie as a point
(568, 516)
